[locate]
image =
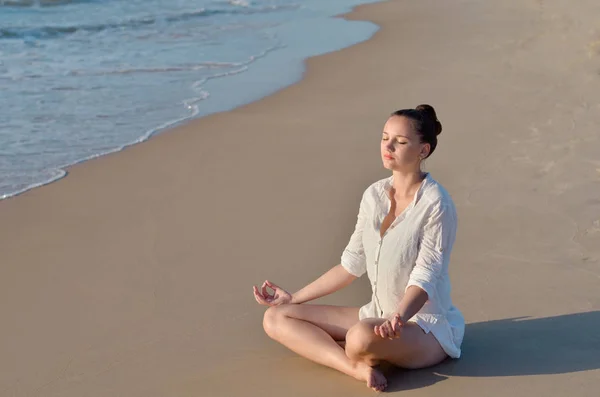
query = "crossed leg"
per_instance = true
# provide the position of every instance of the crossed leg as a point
(412, 350)
(313, 331)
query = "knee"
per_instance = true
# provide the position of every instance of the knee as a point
(359, 340)
(272, 319)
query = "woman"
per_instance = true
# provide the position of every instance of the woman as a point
(403, 238)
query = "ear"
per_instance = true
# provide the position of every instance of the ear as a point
(425, 149)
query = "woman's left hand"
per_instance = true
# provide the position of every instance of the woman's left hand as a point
(390, 328)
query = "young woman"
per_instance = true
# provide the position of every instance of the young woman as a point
(403, 238)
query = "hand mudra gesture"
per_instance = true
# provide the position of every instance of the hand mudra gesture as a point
(279, 296)
(391, 328)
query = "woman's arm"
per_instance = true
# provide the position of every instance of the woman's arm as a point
(352, 266)
(435, 246)
(413, 300)
(333, 280)
(434, 252)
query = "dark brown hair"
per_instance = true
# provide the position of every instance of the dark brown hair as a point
(425, 124)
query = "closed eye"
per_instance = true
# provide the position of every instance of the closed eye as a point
(400, 142)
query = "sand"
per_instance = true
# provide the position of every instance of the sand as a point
(132, 276)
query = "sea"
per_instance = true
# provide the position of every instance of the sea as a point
(80, 79)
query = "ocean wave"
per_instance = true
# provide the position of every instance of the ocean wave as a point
(49, 32)
(201, 66)
(158, 69)
(39, 3)
(206, 66)
(241, 3)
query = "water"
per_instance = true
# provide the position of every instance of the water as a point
(79, 79)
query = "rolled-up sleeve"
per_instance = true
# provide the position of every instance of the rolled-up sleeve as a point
(353, 257)
(435, 245)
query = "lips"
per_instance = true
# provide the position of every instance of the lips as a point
(388, 157)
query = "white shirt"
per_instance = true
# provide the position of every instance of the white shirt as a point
(415, 250)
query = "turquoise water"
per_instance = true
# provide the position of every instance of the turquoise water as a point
(79, 79)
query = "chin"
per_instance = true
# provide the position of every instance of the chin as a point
(389, 164)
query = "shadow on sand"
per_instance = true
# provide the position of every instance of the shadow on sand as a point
(516, 346)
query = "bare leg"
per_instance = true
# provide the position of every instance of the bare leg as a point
(312, 332)
(413, 349)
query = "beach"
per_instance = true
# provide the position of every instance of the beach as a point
(132, 276)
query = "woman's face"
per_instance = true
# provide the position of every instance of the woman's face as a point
(401, 149)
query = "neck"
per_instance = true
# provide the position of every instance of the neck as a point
(405, 181)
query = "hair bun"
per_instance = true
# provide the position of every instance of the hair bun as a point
(429, 112)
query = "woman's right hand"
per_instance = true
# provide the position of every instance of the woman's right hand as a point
(278, 297)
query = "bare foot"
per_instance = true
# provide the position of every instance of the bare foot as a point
(374, 378)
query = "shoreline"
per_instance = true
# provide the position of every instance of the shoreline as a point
(335, 43)
(133, 276)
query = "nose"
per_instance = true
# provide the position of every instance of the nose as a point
(390, 146)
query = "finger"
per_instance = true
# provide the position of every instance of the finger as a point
(399, 324)
(257, 296)
(263, 289)
(271, 285)
(383, 330)
(260, 299)
(257, 292)
(395, 325)
(398, 320)
(264, 302)
(277, 300)
(388, 330)
(257, 299)
(265, 292)
(377, 330)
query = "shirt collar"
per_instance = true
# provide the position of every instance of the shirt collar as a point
(389, 182)
(419, 193)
